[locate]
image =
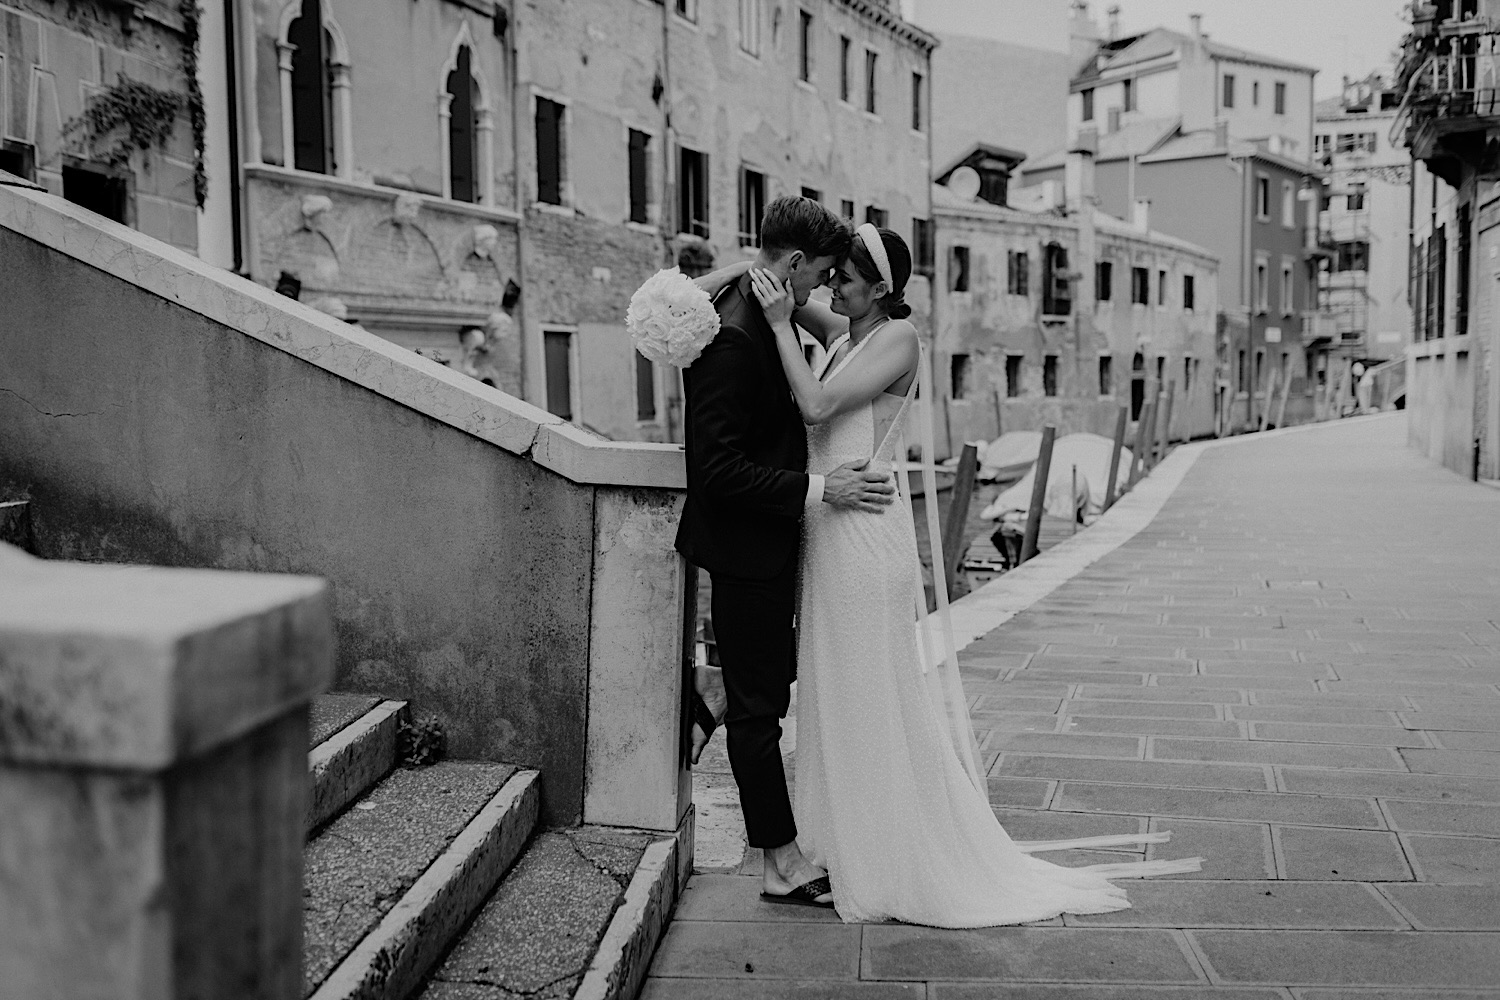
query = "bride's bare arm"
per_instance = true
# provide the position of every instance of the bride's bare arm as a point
(819, 320)
(892, 353)
(713, 283)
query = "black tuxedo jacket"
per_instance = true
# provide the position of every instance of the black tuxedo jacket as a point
(746, 449)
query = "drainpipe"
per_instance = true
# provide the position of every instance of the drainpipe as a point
(667, 214)
(1247, 264)
(517, 104)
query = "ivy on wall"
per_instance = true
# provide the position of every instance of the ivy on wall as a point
(132, 115)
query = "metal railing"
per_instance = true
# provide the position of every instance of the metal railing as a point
(1452, 72)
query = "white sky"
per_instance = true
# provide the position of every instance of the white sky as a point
(1339, 37)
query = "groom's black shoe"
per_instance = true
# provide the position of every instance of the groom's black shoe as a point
(703, 719)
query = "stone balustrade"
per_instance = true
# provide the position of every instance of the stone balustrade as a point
(153, 779)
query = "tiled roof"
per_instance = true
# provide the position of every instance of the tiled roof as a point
(1162, 42)
(1135, 138)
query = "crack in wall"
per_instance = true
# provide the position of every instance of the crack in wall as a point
(47, 413)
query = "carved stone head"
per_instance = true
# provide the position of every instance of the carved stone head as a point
(408, 206)
(485, 238)
(313, 208)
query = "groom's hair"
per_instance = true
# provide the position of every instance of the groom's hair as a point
(793, 223)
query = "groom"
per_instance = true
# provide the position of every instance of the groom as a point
(746, 452)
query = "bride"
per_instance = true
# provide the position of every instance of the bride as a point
(889, 798)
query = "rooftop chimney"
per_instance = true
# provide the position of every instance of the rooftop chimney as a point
(1143, 214)
(1078, 173)
(1197, 20)
(1114, 21)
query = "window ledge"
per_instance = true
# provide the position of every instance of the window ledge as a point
(545, 206)
(808, 85)
(306, 178)
(643, 227)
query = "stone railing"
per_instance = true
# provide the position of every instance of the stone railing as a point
(153, 778)
(506, 571)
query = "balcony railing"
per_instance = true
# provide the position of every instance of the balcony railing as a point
(1319, 325)
(1450, 76)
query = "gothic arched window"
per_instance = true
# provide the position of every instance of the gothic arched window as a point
(463, 129)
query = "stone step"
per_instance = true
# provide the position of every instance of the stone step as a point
(355, 744)
(390, 882)
(578, 917)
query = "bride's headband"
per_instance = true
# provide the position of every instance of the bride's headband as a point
(875, 246)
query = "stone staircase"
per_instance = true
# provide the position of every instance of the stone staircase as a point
(432, 881)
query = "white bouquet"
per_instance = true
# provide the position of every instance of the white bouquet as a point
(671, 320)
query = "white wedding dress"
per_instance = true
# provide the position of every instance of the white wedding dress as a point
(884, 800)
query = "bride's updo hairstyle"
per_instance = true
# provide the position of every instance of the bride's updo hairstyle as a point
(899, 255)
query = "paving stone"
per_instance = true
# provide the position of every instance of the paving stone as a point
(1167, 727)
(1253, 752)
(1313, 715)
(1020, 701)
(1373, 702)
(1132, 772)
(1453, 859)
(1029, 824)
(1449, 993)
(1468, 741)
(777, 989)
(1444, 817)
(1018, 954)
(1069, 744)
(1024, 792)
(737, 898)
(1383, 736)
(1153, 665)
(1089, 676)
(1040, 991)
(1319, 853)
(1127, 651)
(1448, 907)
(1439, 787)
(1201, 803)
(1235, 682)
(1263, 904)
(1158, 710)
(1228, 850)
(1014, 722)
(1351, 958)
(1210, 696)
(735, 949)
(1476, 762)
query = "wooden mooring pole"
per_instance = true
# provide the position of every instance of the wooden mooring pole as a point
(1038, 494)
(1121, 419)
(958, 513)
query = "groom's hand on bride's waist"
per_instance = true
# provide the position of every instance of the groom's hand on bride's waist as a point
(852, 486)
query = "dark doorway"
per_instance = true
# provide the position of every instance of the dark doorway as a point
(97, 191)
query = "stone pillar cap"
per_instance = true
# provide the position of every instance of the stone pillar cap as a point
(142, 667)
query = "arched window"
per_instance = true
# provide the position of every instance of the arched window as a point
(467, 125)
(463, 129)
(314, 64)
(312, 93)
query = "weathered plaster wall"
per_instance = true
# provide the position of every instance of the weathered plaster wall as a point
(1440, 401)
(988, 323)
(461, 572)
(55, 56)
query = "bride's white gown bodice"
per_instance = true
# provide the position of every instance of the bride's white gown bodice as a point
(882, 800)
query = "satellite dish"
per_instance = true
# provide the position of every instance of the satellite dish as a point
(964, 182)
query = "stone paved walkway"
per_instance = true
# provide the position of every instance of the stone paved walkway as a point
(1294, 668)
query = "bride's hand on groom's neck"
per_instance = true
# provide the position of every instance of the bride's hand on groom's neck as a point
(775, 297)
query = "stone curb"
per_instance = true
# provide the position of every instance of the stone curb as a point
(344, 766)
(391, 961)
(624, 954)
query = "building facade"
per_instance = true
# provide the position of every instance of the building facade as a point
(1057, 313)
(1193, 78)
(1256, 212)
(511, 173)
(97, 104)
(1450, 122)
(1362, 281)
